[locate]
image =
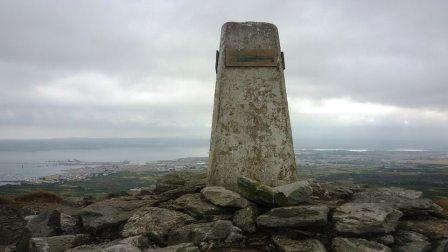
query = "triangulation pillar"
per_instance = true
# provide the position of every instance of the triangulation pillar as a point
(251, 131)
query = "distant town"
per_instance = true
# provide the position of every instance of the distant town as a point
(94, 169)
(422, 170)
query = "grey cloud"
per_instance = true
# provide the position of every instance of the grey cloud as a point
(390, 53)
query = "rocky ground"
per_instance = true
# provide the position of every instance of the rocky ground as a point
(181, 214)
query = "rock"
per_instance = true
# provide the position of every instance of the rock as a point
(190, 188)
(296, 216)
(183, 247)
(441, 246)
(47, 223)
(408, 241)
(130, 244)
(169, 181)
(284, 244)
(295, 193)
(358, 245)
(173, 180)
(260, 193)
(362, 218)
(69, 224)
(142, 191)
(385, 239)
(9, 248)
(139, 241)
(217, 233)
(103, 218)
(86, 248)
(410, 202)
(78, 201)
(11, 224)
(57, 243)
(431, 228)
(122, 248)
(194, 205)
(403, 237)
(334, 190)
(246, 219)
(154, 221)
(224, 198)
(72, 211)
(219, 217)
(29, 217)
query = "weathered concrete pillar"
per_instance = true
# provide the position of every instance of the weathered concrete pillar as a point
(251, 131)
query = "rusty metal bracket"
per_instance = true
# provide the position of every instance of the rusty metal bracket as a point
(216, 61)
(283, 60)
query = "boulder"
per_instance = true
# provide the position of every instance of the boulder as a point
(29, 217)
(69, 224)
(154, 221)
(139, 241)
(169, 181)
(295, 193)
(284, 244)
(57, 243)
(441, 246)
(182, 247)
(130, 244)
(408, 241)
(387, 239)
(103, 218)
(260, 193)
(296, 216)
(78, 201)
(358, 245)
(190, 188)
(9, 248)
(219, 217)
(431, 228)
(194, 205)
(47, 223)
(363, 218)
(410, 202)
(217, 234)
(11, 224)
(86, 248)
(122, 248)
(224, 198)
(246, 219)
(72, 211)
(174, 180)
(142, 191)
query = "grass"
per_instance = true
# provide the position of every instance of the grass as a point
(34, 201)
(39, 196)
(443, 203)
(6, 200)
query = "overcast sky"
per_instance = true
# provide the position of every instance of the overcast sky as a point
(356, 70)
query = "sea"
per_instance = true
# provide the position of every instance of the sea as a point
(21, 159)
(36, 158)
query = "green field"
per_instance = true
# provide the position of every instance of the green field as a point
(95, 186)
(432, 180)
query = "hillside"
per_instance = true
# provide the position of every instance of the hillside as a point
(180, 213)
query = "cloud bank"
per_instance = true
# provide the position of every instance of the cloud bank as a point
(355, 70)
